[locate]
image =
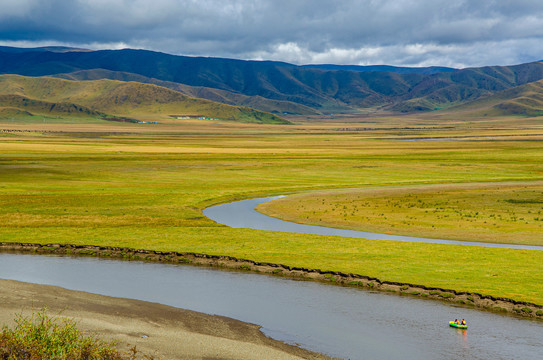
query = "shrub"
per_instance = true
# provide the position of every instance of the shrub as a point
(184, 260)
(446, 295)
(500, 309)
(43, 337)
(87, 252)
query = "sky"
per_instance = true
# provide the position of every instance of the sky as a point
(455, 33)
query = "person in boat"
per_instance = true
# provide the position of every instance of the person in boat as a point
(463, 322)
(456, 321)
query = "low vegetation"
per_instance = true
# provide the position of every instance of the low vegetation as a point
(41, 336)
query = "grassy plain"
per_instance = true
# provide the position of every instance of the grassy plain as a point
(485, 212)
(144, 186)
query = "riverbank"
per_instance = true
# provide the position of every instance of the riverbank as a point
(496, 214)
(469, 299)
(158, 330)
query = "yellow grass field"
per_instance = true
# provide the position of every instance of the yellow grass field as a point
(145, 186)
(485, 212)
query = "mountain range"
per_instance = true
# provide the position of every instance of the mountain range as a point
(284, 88)
(46, 96)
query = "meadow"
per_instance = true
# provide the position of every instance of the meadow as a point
(485, 212)
(144, 186)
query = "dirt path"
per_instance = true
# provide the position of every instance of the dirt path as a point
(159, 330)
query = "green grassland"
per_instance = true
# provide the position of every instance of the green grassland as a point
(142, 187)
(496, 212)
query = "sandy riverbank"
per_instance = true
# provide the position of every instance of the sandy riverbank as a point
(159, 330)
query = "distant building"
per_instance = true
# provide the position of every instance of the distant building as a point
(200, 117)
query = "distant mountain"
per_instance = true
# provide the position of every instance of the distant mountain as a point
(222, 96)
(281, 87)
(323, 91)
(452, 88)
(524, 100)
(50, 96)
(381, 68)
(59, 49)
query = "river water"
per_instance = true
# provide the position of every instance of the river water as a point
(242, 214)
(344, 322)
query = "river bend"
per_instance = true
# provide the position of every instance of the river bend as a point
(343, 322)
(242, 214)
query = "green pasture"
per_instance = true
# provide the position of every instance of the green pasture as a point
(146, 190)
(484, 212)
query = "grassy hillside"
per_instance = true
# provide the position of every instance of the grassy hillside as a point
(526, 100)
(95, 98)
(452, 88)
(217, 95)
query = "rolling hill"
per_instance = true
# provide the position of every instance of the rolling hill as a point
(524, 100)
(46, 96)
(222, 96)
(452, 88)
(280, 87)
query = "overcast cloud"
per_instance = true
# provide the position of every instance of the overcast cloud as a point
(395, 32)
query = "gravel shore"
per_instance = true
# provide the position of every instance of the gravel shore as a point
(162, 331)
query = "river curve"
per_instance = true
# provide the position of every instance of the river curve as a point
(242, 214)
(343, 322)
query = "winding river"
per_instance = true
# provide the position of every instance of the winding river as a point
(343, 322)
(242, 214)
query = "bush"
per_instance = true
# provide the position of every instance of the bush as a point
(500, 309)
(42, 337)
(446, 295)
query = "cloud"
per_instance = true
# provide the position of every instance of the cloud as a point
(397, 32)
